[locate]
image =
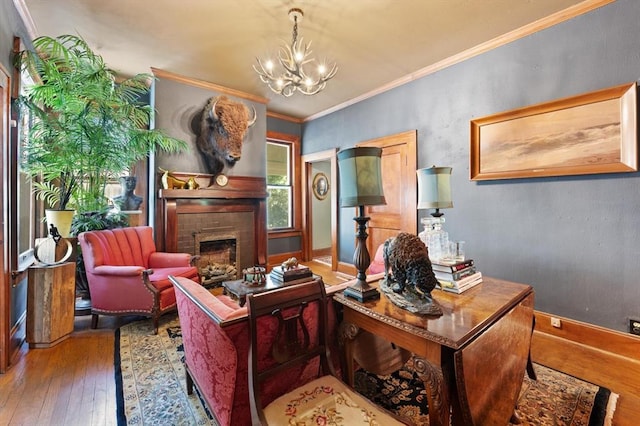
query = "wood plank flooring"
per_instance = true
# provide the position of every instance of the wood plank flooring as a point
(73, 382)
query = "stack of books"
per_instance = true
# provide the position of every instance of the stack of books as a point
(299, 274)
(457, 277)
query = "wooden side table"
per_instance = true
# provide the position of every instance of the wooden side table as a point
(50, 304)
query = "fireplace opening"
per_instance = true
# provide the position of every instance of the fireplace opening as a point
(218, 259)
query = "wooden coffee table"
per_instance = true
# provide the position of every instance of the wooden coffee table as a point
(238, 289)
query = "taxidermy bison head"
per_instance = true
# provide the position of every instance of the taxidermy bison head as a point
(223, 126)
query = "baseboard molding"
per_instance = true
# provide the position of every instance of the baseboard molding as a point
(606, 357)
(321, 252)
(347, 268)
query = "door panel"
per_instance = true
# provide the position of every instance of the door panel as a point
(400, 189)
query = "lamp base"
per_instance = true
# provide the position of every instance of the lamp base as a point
(361, 291)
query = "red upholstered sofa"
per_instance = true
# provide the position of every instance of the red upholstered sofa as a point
(215, 336)
(128, 276)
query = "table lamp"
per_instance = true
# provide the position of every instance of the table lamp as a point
(434, 192)
(434, 189)
(360, 186)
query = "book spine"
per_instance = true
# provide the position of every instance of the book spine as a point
(460, 283)
(463, 288)
(289, 278)
(294, 273)
(292, 281)
(453, 276)
(452, 268)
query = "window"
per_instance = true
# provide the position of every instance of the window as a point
(279, 203)
(283, 173)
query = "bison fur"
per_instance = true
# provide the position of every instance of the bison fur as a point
(223, 126)
(408, 258)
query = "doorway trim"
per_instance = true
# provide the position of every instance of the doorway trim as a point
(307, 194)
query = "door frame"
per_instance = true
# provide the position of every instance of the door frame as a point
(307, 192)
(5, 276)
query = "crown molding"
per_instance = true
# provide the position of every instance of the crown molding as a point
(207, 85)
(526, 30)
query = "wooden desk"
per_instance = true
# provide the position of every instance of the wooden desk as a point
(472, 359)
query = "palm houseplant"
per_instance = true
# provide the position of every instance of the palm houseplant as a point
(87, 128)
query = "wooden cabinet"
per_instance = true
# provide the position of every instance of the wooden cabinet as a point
(50, 304)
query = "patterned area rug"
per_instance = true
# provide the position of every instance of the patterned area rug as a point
(150, 383)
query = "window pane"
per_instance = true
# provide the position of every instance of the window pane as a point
(278, 164)
(279, 207)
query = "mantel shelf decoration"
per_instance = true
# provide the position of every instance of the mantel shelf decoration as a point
(586, 134)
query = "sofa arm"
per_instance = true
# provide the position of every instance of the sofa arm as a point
(119, 271)
(160, 259)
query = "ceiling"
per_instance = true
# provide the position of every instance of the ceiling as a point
(376, 43)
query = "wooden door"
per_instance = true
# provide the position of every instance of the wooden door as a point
(399, 154)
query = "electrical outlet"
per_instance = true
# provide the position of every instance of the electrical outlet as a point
(634, 327)
(555, 322)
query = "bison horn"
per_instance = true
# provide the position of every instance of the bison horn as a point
(212, 112)
(255, 117)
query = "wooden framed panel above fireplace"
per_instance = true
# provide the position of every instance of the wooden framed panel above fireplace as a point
(238, 209)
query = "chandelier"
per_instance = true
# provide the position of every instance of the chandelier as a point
(292, 60)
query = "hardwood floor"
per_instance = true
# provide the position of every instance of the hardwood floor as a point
(73, 382)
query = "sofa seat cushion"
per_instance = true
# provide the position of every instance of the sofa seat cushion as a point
(160, 276)
(325, 400)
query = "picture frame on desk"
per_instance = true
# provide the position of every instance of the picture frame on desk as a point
(586, 134)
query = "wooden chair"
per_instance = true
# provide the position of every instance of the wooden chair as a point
(298, 351)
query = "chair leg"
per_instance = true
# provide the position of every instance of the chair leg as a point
(94, 321)
(156, 321)
(189, 381)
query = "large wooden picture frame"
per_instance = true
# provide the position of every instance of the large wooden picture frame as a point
(585, 134)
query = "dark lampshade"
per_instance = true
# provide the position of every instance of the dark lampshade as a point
(434, 188)
(360, 177)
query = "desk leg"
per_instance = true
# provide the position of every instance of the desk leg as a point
(438, 392)
(347, 333)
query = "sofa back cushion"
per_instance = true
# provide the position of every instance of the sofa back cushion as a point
(130, 246)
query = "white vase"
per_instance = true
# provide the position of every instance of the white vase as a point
(61, 219)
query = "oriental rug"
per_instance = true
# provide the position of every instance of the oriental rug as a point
(151, 390)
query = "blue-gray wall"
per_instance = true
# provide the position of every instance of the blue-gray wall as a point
(283, 126)
(575, 239)
(176, 103)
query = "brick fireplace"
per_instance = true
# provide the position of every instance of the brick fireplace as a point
(225, 226)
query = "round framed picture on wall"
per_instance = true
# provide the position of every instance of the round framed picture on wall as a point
(320, 186)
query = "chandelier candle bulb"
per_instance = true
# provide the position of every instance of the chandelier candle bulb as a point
(292, 59)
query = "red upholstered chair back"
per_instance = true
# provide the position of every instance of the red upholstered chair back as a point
(121, 247)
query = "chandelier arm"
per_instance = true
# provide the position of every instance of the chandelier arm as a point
(292, 59)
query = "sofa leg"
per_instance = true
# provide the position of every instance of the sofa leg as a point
(94, 321)
(189, 381)
(156, 321)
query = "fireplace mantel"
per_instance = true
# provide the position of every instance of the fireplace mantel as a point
(209, 193)
(241, 195)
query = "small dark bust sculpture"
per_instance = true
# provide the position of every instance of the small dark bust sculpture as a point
(412, 279)
(127, 200)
